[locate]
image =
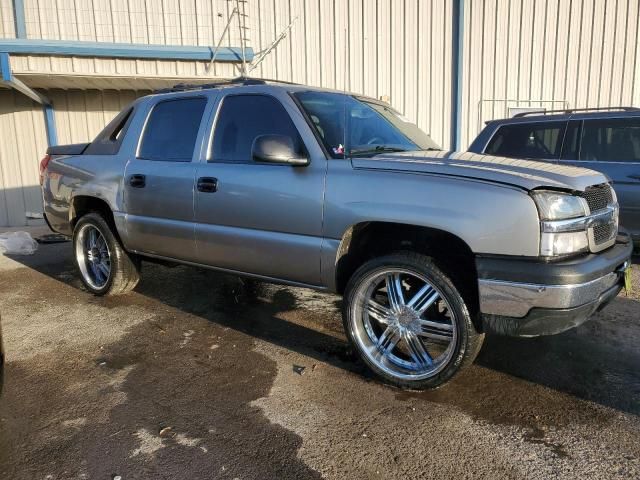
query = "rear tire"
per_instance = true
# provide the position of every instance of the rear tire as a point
(408, 322)
(105, 267)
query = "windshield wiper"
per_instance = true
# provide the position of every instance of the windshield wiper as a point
(377, 149)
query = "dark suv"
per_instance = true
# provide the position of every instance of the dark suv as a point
(607, 140)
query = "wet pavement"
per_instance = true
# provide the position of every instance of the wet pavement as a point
(202, 375)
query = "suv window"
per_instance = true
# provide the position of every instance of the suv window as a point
(528, 140)
(172, 129)
(241, 119)
(611, 140)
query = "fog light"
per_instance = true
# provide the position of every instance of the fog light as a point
(563, 243)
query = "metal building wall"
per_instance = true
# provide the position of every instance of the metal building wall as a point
(7, 25)
(400, 49)
(547, 53)
(23, 142)
(81, 114)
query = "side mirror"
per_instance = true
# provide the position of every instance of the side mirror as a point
(276, 149)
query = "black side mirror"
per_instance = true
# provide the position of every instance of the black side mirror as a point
(276, 149)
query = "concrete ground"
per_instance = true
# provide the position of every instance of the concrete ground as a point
(203, 375)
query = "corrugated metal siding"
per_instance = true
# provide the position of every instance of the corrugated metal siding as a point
(7, 25)
(81, 114)
(399, 49)
(384, 48)
(22, 144)
(547, 53)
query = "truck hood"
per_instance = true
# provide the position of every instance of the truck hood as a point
(525, 174)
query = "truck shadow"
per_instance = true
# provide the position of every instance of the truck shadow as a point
(595, 362)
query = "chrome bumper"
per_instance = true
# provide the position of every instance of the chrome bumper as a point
(513, 299)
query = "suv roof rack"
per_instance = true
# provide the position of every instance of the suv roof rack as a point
(182, 87)
(575, 110)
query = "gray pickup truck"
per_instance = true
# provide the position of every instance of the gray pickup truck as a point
(338, 192)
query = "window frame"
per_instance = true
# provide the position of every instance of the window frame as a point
(203, 120)
(599, 119)
(562, 134)
(208, 157)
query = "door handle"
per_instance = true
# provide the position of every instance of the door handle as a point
(137, 181)
(207, 184)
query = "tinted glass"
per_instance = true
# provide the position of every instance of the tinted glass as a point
(172, 129)
(242, 118)
(368, 125)
(611, 140)
(528, 140)
(571, 144)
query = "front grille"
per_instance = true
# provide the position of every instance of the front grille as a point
(598, 196)
(603, 233)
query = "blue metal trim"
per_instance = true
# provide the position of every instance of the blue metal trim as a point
(50, 125)
(5, 67)
(121, 50)
(457, 61)
(18, 19)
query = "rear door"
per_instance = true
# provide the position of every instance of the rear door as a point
(159, 179)
(611, 146)
(259, 218)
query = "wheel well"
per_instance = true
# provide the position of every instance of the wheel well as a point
(449, 252)
(82, 205)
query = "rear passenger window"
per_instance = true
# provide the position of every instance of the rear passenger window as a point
(241, 119)
(611, 140)
(172, 129)
(528, 140)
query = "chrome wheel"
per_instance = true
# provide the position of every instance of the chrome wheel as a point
(403, 324)
(93, 256)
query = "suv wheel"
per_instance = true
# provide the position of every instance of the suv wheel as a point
(408, 322)
(105, 267)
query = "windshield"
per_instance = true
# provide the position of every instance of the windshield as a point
(371, 128)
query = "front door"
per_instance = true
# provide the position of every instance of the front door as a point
(258, 218)
(159, 181)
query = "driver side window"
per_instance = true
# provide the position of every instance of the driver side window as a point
(241, 119)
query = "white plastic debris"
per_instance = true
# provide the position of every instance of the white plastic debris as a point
(17, 243)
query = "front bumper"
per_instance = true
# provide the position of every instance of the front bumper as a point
(521, 297)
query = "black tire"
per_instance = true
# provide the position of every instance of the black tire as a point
(124, 267)
(462, 349)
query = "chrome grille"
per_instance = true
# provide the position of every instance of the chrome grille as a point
(602, 233)
(598, 196)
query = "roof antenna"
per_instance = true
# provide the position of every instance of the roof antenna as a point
(224, 32)
(240, 10)
(260, 56)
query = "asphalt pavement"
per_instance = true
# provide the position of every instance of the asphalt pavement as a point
(197, 374)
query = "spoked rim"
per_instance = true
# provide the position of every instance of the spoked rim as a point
(93, 256)
(403, 324)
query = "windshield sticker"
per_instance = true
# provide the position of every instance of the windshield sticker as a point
(339, 150)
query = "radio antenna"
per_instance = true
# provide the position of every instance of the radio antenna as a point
(217, 47)
(260, 56)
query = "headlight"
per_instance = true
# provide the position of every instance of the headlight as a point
(554, 244)
(553, 208)
(560, 206)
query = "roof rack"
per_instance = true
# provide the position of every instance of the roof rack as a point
(182, 87)
(576, 110)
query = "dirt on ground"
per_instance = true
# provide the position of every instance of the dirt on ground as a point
(197, 374)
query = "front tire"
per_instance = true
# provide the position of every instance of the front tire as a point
(408, 322)
(105, 267)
